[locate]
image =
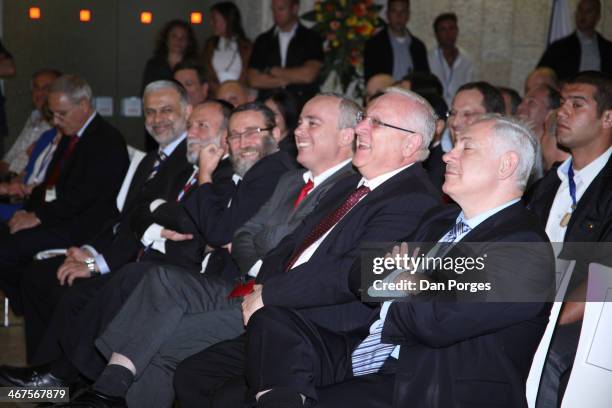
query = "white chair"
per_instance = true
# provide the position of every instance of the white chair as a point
(135, 156)
(537, 365)
(590, 383)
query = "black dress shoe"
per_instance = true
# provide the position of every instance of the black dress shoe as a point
(91, 398)
(29, 377)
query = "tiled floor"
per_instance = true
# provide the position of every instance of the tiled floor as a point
(12, 345)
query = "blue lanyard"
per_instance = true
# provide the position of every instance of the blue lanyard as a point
(572, 184)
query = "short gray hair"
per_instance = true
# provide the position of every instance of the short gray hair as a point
(349, 110)
(73, 86)
(513, 135)
(425, 118)
(167, 84)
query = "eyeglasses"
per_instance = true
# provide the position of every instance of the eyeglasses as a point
(377, 123)
(62, 114)
(248, 134)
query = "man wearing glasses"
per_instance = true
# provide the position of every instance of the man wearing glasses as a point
(316, 270)
(209, 219)
(79, 191)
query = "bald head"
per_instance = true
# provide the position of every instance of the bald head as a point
(233, 92)
(541, 76)
(376, 84)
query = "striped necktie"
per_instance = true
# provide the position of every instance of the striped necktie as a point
(190, 183)
(327, 223)
(370, 355)
(161, 157)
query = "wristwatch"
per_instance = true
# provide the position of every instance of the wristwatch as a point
(91, 265)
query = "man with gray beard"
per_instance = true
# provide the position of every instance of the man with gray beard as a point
(209, 217)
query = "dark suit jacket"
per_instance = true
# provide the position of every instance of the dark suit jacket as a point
(325, 289)
(277, 217)
(213, 217)
(88, 184)
(166, 185)
(378, 55)
(591, 221)
(473, 354)
(435, 166)
(563, 56)
(306, 45)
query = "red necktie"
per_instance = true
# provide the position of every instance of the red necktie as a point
(327, 223)
(304, 192)
(54, 175)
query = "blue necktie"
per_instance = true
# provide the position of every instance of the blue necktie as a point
(370, 355)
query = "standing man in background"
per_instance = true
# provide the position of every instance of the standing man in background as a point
(448, 62)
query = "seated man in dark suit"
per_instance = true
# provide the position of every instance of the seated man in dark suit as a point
(584, 126)
(160, 175)
(310, 269)
(175, 312)
(583, 50)
(79, 191)
(432, 352)
(394, 50)
(208, 218)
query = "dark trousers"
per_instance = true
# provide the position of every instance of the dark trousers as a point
(17, 251)
(81, 314)
(40, 291)
(171, 314)
(284, 351)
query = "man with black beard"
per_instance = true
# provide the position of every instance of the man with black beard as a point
(209, 218)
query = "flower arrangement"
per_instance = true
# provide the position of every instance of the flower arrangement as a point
(345, 25)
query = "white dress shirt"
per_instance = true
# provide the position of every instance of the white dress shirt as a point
(99, 258)
(453, 77)
(316, 181)
(17, 156)
(372, 185)
(562, 203)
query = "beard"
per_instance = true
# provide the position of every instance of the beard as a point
(194, 146)
(243, 165)
(163, 139)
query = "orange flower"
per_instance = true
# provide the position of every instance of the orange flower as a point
(360, 9)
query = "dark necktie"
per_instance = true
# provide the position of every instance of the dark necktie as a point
(161, 157)
(190, 183)
(303, 193)
(327, 223)
(68, 145)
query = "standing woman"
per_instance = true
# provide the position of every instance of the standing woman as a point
(176, 42)
(227, 52)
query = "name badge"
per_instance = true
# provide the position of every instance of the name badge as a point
(50, 195)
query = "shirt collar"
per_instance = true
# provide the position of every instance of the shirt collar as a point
(236, 178)
(477, 220)
(289, 33)
(318, 180)
(587, 173)
(80, 132)
(377, 181)
(172, 145)
(585, 38)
